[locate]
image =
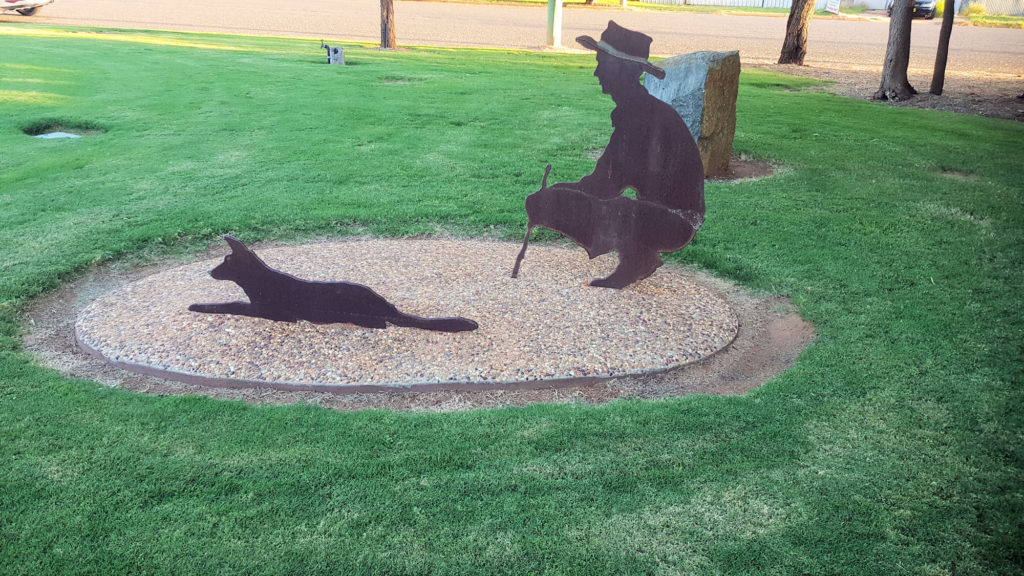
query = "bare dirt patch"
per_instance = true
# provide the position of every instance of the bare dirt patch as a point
(741, 169)
(992, 95)
(956, 175)
(44, 127)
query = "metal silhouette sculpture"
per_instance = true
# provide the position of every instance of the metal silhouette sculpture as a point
(651, 151)
(276, 295)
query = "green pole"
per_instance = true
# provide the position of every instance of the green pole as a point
(554, 23)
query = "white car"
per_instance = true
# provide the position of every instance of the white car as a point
(23, 7)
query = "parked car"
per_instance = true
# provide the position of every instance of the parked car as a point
(921, 9)
(23, 7)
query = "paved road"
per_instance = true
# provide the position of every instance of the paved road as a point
(834, 43)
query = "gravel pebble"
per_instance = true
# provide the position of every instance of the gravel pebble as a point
(548, 324)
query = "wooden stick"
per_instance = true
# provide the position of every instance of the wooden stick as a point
(529, 227)
(522, 252)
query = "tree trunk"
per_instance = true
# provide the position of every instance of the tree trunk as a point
(794, 47)
(939, 74)
(895, 85)
(387, 24)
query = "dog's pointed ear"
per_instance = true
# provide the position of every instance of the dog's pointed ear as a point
(236, 245)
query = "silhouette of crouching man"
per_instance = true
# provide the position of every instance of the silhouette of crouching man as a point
(651, 151)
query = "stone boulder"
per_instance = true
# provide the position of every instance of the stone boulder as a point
(335, 54)
(702, 87)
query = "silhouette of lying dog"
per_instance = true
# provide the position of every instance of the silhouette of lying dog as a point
(276, 295)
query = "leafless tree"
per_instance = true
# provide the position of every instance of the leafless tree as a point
(941, 54)
(387, 24)
(895, 85)
(794, 47)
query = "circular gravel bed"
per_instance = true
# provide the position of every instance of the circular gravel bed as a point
(547, 325)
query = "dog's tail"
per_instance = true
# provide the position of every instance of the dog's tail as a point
(451, 324)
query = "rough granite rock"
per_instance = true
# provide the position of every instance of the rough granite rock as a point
(335, 54)
(702, 87)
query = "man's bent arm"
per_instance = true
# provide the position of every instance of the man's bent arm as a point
(599, 183)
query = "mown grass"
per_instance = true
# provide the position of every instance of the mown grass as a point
(892, 447)
(996, 20)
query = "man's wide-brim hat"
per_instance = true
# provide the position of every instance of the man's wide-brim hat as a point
(624, 44)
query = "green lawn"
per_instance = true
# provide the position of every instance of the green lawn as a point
(996, 21)
(892, 447)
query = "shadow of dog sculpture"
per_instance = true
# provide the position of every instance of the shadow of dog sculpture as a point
(651, 151)
(276, 295)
